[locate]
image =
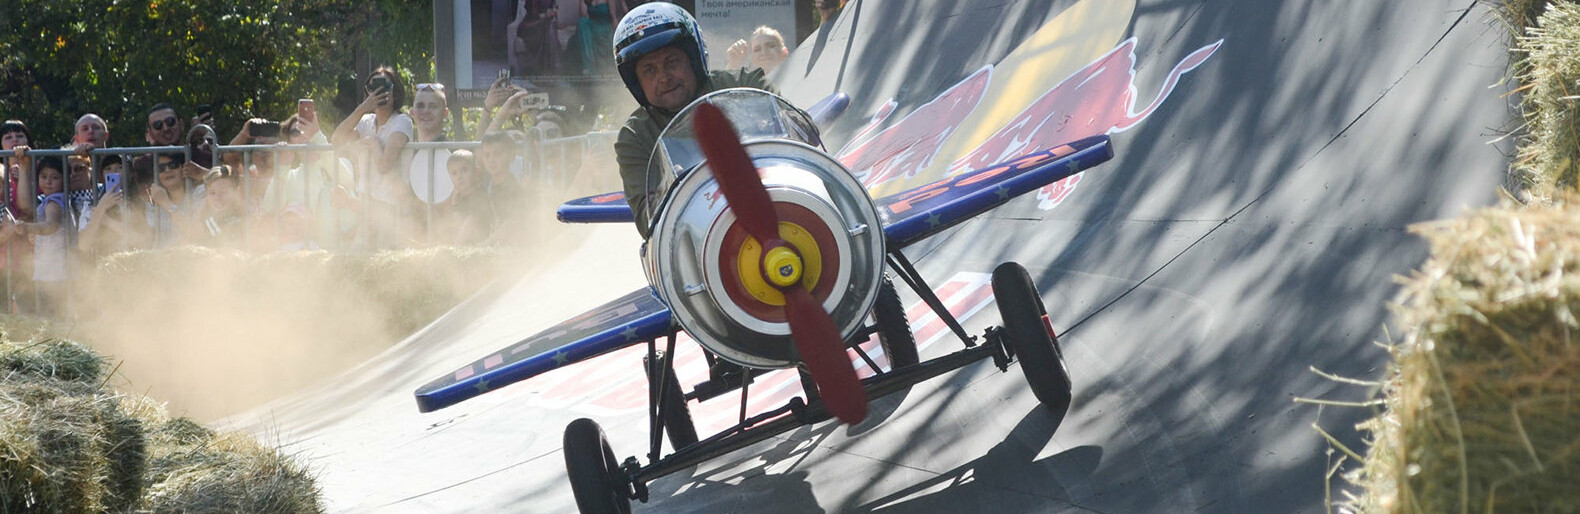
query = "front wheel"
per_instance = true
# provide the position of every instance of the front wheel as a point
(593, 470)
(894, 331)
(1031, 336)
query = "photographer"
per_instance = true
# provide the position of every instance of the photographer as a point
(379, 130)
(255, 178)
(301, 191)
(521, 103)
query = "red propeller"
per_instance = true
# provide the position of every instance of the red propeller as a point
(814, 333)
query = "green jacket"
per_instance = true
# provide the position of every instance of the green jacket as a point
(637, 138)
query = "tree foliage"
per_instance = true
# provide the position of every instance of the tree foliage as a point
(60, 59)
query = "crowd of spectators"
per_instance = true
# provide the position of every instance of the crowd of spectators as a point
(278, 186)
(381, 177)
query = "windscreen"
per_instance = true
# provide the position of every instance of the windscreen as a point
(756, 114)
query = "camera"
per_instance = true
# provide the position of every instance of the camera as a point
(265, 129)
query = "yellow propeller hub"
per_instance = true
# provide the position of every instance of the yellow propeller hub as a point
(782, 266)
(807, 264)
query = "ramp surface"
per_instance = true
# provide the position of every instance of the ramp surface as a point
(1246, 231)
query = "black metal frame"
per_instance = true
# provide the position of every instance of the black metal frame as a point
(749, 431)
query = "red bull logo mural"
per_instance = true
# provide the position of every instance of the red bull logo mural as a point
(908, 147)
(1100, 98)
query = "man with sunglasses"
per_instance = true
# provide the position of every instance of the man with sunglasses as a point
(164, 126)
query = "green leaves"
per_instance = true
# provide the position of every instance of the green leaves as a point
(60, 59)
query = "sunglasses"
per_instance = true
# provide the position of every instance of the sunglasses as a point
(161, 124)
(430, 86)
(170, 165)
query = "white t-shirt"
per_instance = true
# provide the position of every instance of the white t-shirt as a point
(398, 122)
(436, 162)
(385, 186)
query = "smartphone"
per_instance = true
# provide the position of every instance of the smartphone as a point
(112, 182)
(305, 110)
(380, 84)
(265, 129)
(504, 75)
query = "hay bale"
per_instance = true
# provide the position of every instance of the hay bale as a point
(1548, 67)
(52, 359)
(194, 471)
(65, 447)
(1481, 407)
(1519, 15)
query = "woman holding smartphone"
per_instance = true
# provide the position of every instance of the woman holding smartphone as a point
(380, 129)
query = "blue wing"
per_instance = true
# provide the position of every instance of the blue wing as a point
(604, 208)
(633, 318)
(912, 215)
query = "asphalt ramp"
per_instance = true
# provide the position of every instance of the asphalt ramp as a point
(1270, 157)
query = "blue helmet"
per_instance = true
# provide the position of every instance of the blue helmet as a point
(650, 27)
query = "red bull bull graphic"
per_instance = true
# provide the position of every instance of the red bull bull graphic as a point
(908, 147)
(1098, 99)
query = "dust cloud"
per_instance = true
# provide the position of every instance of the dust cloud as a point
(214, 333)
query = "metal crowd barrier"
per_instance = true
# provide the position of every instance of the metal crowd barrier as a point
(544, 161)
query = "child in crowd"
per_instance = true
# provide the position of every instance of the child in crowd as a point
(170, 205)
(498, 157)
(468, 216)
(54, 235)
(227, 222)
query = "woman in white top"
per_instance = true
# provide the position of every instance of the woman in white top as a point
(382, 130)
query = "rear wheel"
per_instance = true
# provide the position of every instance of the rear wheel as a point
(1031, 336)
(675, 413)
(594, 471)
(894, 331)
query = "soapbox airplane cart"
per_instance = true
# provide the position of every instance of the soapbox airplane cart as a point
(770, 254)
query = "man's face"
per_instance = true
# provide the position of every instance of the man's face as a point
(92, 130)
(80, 177)
(768, 52)
(667, 78)
(264, 160)
(495, 157)
(165, 128)
(428, 109)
